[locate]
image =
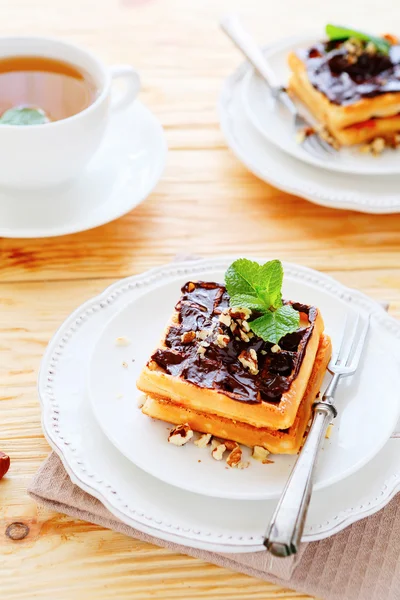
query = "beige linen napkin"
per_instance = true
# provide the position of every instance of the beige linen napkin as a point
(360, 563)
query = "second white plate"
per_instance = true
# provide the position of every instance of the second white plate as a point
(275, 124)
(360, 431)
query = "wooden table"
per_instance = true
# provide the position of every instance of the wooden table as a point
(207, 203)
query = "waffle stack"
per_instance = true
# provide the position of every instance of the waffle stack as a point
(350, 87)
(212, 372)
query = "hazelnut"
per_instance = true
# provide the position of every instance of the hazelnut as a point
(259, 453)
(203, 440)
(218, 451)
(234, 457)
(180, 435)
(187, 337)
(4, 464)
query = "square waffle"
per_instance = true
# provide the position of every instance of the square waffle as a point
(354, 94)
(209, 362)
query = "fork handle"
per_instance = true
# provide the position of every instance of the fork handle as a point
(243, 40)
(286, 528)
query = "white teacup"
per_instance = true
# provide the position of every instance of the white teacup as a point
(55, 152)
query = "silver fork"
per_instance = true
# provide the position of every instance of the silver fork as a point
(313, 143)
(285, 530)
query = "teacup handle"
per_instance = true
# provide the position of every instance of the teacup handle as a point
(132, 86)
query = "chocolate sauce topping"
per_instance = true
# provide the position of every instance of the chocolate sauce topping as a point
(218, 368)
(343, 79)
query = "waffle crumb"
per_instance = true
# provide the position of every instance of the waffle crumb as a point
(243, 465)
(329, 431)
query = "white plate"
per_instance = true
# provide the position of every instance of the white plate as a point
(360, 431)
(146, 503)
(362, 193)
(275, 124)
(120, 176)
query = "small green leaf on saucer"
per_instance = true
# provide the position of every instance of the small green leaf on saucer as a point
(24, 116)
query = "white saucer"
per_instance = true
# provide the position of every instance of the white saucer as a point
(157, 508)
(361, 429)
(364, 193)
(275, 123)
(120, 176)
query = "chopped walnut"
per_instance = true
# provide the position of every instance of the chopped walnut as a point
(203, 333)
(259, 453)
(275, 348)
(245, 326)
(240, 312)
(187, 337)
(249, 360)
(234, 458)
(215, 443)
(218, 451)
(201, 350)
(375, 147)
(354, 47)
(222, 340)
(180, 435)
(371, 49)
(230, 445)
(203, 440)
(191, 286)
(225, 319)
(152, 365)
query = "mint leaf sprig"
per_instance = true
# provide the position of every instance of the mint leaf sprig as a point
(24, 116)
(259, 288)
(337, 32)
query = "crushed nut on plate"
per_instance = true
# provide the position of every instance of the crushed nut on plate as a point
(125, 365)
(259, 453)
(230, 445)
(234, 457)
(122, 341)
(218, 451)
(180, 435)
(329, 431)
(243, 465)
(203, 440)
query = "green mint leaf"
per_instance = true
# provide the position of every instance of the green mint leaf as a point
(269, 283)
(247, 301)
(241, 277)
(23, 116)
(337, 32)
(272, 326)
